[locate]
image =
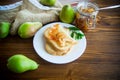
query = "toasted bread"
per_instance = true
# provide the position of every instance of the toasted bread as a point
(58, 40)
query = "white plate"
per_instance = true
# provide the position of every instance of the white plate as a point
(39, 46)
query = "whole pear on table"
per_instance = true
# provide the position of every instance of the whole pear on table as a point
(4, 29)
(28, 29)
(19, 63)
(48, 2)
(67, 14)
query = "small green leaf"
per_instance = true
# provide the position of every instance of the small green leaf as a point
(72, 34)
(73, 28)
(75, 33)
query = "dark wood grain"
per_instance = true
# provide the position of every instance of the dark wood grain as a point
(100, 61)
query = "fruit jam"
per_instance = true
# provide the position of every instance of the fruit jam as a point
(86, 16)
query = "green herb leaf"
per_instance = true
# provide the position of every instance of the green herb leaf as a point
(73, 28)
(72, 34)
(75, 33)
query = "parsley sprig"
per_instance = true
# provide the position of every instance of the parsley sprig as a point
(75, 33)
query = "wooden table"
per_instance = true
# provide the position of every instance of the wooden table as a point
(100, 61)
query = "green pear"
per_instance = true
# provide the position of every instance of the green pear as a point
(48, 2)
(67, 14)
(28, 29)
(19, 63)
(4, 29)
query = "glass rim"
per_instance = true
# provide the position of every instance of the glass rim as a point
(90, 4)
